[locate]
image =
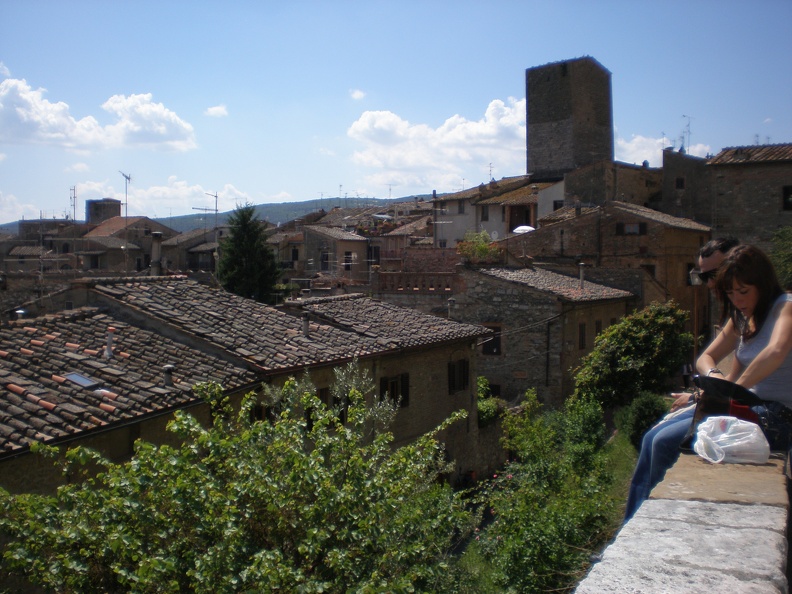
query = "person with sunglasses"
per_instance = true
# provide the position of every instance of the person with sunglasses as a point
(759, 335)
(660, 444)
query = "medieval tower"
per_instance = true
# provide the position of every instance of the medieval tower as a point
(569, 117)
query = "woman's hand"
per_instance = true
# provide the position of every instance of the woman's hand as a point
(681, 400)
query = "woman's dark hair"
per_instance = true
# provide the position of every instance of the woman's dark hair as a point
(748, 265)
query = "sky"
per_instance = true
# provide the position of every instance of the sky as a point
(210, 105)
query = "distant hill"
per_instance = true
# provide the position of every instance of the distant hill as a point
(274, 213)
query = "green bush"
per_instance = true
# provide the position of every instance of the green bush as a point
(641, 415)
(489, 407)
(550, 507)
(286, 504)
(639, 352)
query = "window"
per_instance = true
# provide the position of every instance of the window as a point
(679, 183)
(597, 327)
(442, 243)
(582, 335)
(325, 258)
(458, 375)
(492, 343)
(461, 207)
(558, 204)
(347, 260)
(295, 254)
(631, 228)
(485, 212)
(374, 255)
(503, 214)
(787, 198)
(397, 388)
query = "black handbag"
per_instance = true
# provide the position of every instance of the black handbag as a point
(720, 397)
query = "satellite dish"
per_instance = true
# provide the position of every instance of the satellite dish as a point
(523, 229)
(494, 235)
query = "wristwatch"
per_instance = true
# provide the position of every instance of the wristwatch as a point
(714, 370)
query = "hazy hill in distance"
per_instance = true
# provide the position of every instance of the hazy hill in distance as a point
(276, 214)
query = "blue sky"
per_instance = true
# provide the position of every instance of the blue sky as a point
(260, 101)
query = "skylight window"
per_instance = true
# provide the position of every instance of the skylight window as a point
(81, 380)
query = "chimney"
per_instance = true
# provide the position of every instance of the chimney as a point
(577, 208)
(167, 375)
(582, 266)
(108, 354)
(306, 324)
(156, 253)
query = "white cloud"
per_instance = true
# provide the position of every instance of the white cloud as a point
(642, 148)
(357, 94)
(4, 71)
(27, 117)
(405, 154)
(77, 168)
(11, 209)
(218, 111)
(160, 201)
(768, 120)
(3, 157)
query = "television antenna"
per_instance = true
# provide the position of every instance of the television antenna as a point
(127, 181)
(214, 210)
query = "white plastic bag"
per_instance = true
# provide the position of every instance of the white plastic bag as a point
(729, 439)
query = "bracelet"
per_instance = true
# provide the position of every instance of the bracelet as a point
(714, 370)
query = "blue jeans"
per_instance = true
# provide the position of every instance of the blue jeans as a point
(659, 451)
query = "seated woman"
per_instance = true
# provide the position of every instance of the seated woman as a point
(759, 333)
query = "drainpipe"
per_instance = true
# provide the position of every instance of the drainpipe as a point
(582, 266)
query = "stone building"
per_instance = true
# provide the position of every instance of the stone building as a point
(544, 323)
(619, 236)
(569, 117)
(743, 192)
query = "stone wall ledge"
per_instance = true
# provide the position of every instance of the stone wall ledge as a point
(706, 528)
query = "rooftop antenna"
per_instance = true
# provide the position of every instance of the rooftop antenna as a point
(490, 166)
(214, 210)
(127, 181)
(687, 132)
(73, 199)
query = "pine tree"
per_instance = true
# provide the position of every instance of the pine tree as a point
(247, 266)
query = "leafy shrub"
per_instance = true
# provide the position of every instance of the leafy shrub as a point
(489, 407)
(289, 504)
(639, 352)
(549, 507)
(478, 248)
(641, 415)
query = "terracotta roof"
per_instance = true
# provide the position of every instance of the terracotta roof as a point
(760, 153)
(335, 233)
(38, 401)
(266, 337)
(113, 225)
(654, 215)
(569, 212)
(112, 243)
(521, 196)
(564, 213)
(27, 250)
(493, 188)
(416, 226)
(566, 287)
(390, 325)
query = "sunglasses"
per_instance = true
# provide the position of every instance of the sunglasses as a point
(702, 278)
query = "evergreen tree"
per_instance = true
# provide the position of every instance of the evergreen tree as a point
(782, 256)
(247, 266)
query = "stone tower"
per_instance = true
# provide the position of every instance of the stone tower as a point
(569, 117)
